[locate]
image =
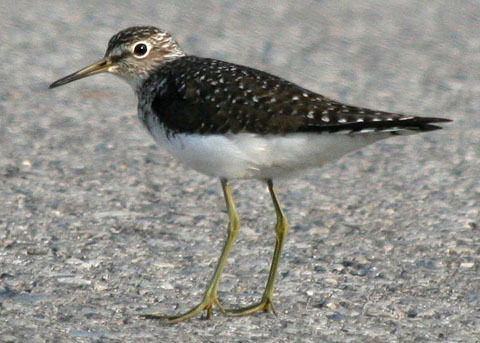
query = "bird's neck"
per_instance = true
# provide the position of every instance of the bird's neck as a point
(138, 79)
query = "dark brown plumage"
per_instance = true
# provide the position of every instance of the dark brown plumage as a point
(207, 96)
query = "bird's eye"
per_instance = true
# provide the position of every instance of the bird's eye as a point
(140, 50)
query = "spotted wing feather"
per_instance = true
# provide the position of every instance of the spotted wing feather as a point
(207, 96)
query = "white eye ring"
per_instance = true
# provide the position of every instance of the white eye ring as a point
(141, 49)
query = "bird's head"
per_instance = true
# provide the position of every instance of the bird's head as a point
(131, 54)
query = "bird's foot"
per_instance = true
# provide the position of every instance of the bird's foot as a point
(265, 305)
(206, 306)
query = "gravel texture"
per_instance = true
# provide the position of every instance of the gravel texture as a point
(98, 225)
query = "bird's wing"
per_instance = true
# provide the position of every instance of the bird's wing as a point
(208, 96)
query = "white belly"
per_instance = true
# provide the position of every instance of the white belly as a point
(247, 155)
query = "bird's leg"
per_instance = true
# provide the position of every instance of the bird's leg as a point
(281, 229)
(210, 297)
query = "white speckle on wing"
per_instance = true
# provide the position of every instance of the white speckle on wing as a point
(367, 130)
(392, 129)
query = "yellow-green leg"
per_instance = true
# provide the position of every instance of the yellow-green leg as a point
(210, 297)
(281, 229)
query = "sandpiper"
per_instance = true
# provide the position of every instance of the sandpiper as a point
(235, 122)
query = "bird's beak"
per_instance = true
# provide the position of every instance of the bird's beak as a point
(102, 66)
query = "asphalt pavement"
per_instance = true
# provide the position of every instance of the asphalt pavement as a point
(98, 225)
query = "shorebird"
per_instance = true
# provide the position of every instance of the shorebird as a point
(234, 122)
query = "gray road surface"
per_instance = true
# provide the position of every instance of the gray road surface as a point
(98, 225)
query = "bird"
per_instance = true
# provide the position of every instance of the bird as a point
(232, 122)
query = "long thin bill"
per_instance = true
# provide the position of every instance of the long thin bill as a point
(101, 66)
